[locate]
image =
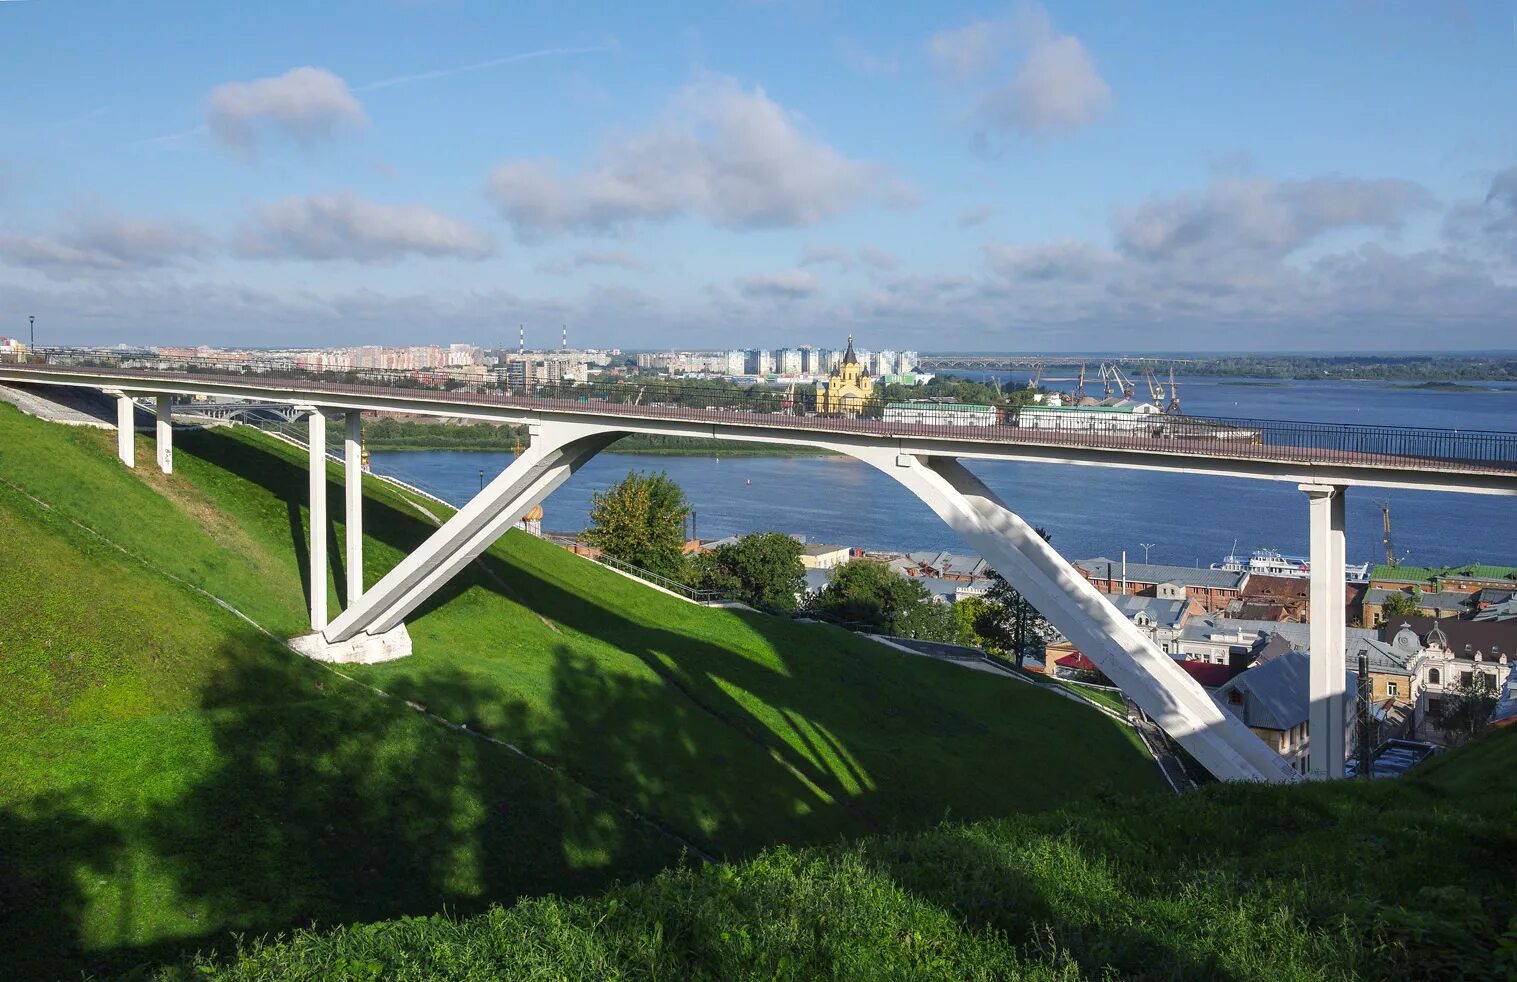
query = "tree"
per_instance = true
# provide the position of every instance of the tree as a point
(762, 569)
(873, 596)
(977, 623)
(642, 521)
(1466, 706)
(1401, 604)
(1016, 623)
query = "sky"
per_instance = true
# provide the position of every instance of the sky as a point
(938, 177)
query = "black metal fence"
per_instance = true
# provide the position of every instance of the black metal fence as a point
(802, 406)
(673, 586)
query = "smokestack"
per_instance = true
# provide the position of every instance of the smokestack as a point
(521, 339)
(1124, 571)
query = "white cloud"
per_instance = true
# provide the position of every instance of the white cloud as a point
(877, 258)
(969, 50)
(1056, 88)
(307, 105)
(731, 156)
(827, 255)
(102, 241)
(790, 284)
(612, 258)
(1054, 85)
(1064, 260)
(345, 226)
(1259, 215)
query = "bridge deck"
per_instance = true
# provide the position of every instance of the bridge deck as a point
(1416, 451)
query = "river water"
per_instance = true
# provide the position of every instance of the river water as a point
(1089, 512)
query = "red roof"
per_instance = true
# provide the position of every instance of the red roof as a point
(1210, 676)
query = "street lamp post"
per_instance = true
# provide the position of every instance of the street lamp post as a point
(31, 321)
(481, 479)
(1146, 546)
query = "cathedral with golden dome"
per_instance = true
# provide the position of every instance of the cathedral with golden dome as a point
(848, 388)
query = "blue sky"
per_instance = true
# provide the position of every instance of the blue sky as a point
(940, 177)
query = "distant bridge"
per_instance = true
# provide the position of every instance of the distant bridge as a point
(923, 450)
(1007, 363)
(246, 411)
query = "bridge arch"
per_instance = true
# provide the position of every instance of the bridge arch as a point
(1071, 603)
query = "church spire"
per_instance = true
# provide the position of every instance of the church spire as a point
(849, 358)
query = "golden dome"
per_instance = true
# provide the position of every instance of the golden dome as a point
(534, 515)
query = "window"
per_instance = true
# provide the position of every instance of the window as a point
(1466, 678)
(1392, 689)
(1434, 677)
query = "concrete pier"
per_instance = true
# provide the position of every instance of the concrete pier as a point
(126, 421)
(318, 517)
(1329, 663)
(352, 475)
(163, 430)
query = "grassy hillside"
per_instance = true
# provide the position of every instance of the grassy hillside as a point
(1408, 879)
(174, 773)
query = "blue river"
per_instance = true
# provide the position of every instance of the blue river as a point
(1088, 512)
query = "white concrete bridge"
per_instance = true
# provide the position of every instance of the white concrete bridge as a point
(569, 425)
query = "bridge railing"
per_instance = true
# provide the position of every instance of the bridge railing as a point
(801, 406)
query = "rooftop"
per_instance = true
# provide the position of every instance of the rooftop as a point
(951, 563)
(1163, 613)
(1428, 601)
(1275, 694)
(1426, 574)
(1111, 569)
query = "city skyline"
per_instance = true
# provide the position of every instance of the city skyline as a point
(975, 178)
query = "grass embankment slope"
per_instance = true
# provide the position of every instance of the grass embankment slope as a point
(173, 774)
(1412, 878)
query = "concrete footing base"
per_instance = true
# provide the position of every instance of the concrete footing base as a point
(364, 649)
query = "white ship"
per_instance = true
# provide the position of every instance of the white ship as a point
(1268, 562)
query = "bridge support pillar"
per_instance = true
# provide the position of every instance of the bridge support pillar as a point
(1126, 655)
(1327, 675)
(352, 479)
(557, 451)
(126, 424)
(163, 432)
(317, 552)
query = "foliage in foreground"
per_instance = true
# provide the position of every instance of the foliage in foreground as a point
(870, 595)
(642, 521)
(762, 569)
(1232, 881)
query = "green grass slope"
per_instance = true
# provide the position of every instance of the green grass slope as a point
(1414, 878)
(173, 773)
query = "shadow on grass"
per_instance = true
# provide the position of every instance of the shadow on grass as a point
(47, 847)
(337, 805)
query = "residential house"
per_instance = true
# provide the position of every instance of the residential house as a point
(1214, 588)
(1446, 604)
(947, 565)
(816, 555)
(1238, 642)
(1469, 578)
(1454, 650)
(1274, 701)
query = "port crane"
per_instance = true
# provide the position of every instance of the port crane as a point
(1079, 393)
(1155, 388)
(1385, 524)
(1036, 376)
(1123, 383)
(1174, 393)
